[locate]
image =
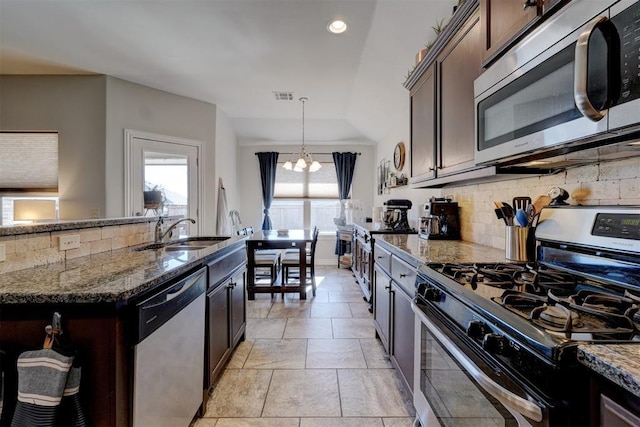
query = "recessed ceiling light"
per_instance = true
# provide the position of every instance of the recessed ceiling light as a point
(337, 26)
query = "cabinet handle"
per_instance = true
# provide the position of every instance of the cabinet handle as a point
(380, 257)
(530, 3)
(387, 287)
(402, 275)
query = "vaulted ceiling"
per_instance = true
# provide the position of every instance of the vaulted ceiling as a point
(236, 54)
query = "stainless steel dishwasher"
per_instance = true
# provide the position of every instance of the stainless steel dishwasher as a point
(169, 354)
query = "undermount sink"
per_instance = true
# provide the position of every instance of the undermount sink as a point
(186, 244)
(177, 247)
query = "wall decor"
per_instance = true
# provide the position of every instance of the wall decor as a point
(399, 154)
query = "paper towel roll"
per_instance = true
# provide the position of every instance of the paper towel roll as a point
(377, 213)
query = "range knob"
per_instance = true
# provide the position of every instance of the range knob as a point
(428, 292)
(477, 329)
(433, 294)
(494, 343)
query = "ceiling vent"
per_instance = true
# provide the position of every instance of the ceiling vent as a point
(283, 96)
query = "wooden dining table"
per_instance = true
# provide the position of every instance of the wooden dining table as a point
(271, 239)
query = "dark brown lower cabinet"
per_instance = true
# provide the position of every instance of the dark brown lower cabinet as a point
(382, 306)
(611, 405)
(392, 315)
(226, 323)
(402, 321)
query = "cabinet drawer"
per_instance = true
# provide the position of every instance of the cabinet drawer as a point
(404, 275)
(382, 258)
(221, 268)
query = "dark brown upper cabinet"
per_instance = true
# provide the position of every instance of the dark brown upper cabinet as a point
(503, 22)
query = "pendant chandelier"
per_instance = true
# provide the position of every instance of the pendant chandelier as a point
(303, 157)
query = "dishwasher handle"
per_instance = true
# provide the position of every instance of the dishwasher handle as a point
(156, 310)
(192, 280)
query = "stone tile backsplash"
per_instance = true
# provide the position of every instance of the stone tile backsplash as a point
(609, 183)
(37, 249)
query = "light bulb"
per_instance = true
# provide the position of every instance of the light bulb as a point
(337, 27)
(288, 165)
(300, 164)
(315, 165)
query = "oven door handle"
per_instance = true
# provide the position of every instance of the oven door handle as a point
(522, 406)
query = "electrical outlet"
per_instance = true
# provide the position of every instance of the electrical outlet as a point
(69, 241)
(3, 254)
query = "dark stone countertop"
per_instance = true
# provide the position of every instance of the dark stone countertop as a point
(48, 227)
(109, 277)
(428, 251)
(619, 363)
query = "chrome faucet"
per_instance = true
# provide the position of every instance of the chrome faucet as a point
(159, 235)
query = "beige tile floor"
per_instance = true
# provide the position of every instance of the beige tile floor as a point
(313, 363)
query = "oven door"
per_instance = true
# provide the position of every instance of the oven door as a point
(452, 385)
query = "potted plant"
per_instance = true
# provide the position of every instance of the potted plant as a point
(154, 198)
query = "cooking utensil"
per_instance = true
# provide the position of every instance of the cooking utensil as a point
(500, 215)
(531, 213)
(521, 202)
(541, 201)
(508, 212)
(522, 218)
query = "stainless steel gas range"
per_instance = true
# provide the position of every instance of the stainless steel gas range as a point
(495, 344)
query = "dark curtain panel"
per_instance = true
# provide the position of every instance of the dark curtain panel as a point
(345, 165)
(268, 164)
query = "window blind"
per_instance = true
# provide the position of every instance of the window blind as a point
(321, 184)
(28, 162)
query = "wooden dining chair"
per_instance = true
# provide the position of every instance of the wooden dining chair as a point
(291, 263)
(268, 262)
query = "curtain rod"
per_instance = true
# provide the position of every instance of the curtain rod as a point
(315, 154)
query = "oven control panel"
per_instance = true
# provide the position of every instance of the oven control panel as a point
(618, 225)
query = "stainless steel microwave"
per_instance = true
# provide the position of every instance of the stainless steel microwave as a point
(572, 83)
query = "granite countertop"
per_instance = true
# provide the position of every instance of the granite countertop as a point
(375, 228)
(62, 225)
(428, 251)
(619, 363)
(109, 277)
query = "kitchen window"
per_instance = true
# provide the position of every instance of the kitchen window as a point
(305, 199)
(28, 170)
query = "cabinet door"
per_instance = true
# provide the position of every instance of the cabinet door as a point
(613, 414)
(423, 126)
(238, 310)
(219, 343)
(367, 266)
(460, 64)
(402, 329)
(502, 21)
(381, 301)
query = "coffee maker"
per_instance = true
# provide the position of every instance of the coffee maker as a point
(441, 220)
(394, 215)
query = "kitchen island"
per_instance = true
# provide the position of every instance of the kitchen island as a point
(94, 294)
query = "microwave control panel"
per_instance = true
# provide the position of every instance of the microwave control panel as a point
(627, 24)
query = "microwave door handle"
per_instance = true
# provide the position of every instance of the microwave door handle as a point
(506, 397)
(581, 68)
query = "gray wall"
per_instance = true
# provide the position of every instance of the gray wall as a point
(141, 108)
(75, 107)
(90, 113)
